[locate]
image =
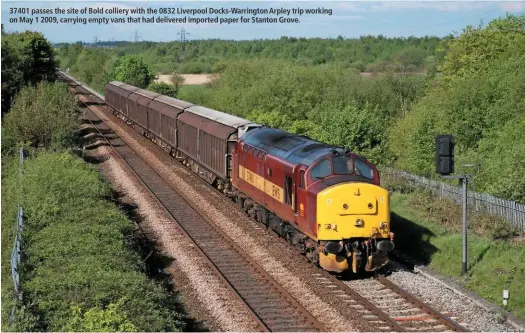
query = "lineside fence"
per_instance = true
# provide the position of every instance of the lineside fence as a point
(15, 256)
(513, 211)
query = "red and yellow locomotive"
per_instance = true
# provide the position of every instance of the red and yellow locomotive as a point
(327, 201)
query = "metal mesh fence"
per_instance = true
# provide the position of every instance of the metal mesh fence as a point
(16, 255)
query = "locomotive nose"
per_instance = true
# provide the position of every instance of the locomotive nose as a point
(351, 210)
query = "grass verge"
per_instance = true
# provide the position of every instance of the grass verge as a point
(428, 230)
(81, 268)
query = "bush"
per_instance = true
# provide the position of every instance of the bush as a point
(45, 115)
(79, 270)
(164, 89)
(194, 68)
(132, 70)
(176, 80)
(327, 102)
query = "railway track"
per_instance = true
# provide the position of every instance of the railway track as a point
(407, 310)
(381, 305)
(270, 305)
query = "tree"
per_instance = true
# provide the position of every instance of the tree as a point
(27, 58)
(410, 59)
(164, 89)
(12, 76)
(36, 56)
(132, 70)
(476, 48)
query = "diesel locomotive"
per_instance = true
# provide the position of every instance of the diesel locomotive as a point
(325, 200)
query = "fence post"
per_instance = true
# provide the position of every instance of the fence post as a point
(15, 256)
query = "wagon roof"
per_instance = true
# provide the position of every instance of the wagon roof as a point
(147, 93)
(180, 104)
(123, 86)
(218, 116)
(116, 83)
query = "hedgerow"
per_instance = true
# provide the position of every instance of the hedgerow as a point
(80, 270)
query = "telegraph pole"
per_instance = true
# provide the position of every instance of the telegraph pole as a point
(182, 34)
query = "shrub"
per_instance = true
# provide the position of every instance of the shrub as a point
(45, 115)
(194, 68)
(328, 102)
(176, 80)
(164, 89)
(478, 105)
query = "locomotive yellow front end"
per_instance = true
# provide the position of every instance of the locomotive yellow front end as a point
(353, 227)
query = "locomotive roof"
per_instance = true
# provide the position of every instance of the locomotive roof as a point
(293, 148)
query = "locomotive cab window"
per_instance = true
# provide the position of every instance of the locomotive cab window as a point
(321, 170)
(343, 165)
(363, 169)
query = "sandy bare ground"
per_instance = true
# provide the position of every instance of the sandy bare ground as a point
(189, 79)
(199, 79)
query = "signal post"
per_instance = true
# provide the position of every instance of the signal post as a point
(445, 167)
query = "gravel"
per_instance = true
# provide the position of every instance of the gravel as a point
(459, 308)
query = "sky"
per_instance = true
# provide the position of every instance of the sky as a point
(349, 19)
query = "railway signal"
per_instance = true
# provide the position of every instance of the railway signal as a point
(444, 154)
(445, 167)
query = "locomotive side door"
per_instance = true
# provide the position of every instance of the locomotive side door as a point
(300, 194)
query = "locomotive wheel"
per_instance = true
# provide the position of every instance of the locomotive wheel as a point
(240, 202)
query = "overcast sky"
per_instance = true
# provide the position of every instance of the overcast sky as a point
(349, 19)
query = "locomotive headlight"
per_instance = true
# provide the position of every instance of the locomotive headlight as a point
(358, 222)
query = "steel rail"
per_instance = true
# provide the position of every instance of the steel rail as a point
(429, 310)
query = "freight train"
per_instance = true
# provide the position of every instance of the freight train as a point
(325, 200)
